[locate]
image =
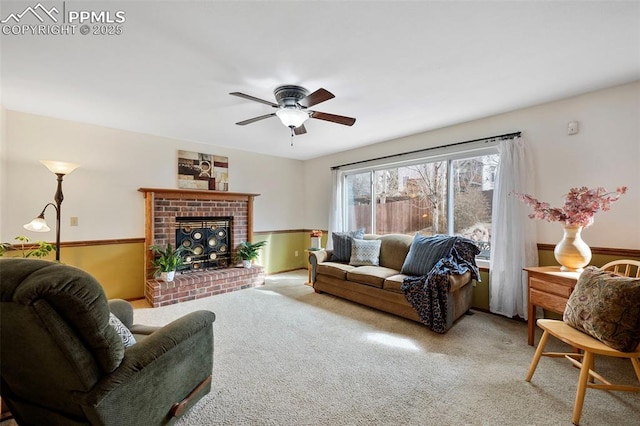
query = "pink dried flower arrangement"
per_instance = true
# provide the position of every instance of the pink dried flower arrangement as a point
(580, 205)
(316, 233)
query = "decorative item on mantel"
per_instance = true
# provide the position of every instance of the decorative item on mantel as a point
(316, 239)
(203, 171)
(580, 205)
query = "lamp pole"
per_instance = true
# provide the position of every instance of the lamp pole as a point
(58, 199)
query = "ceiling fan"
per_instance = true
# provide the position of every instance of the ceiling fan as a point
(292, 108)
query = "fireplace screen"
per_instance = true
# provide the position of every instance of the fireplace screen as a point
(208, 241)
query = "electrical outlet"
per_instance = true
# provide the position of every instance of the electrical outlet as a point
(572, 128)
(73, 221)
(296, 253)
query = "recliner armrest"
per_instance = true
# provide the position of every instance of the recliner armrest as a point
(123, 310)
(143, 354)
(145, 330)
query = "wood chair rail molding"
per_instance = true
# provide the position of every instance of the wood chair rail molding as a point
(611, 251)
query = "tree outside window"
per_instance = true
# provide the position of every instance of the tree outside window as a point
(416, 198)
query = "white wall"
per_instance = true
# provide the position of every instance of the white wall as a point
(103, 192)
(3, 182)
(114, 164)
(606, 152)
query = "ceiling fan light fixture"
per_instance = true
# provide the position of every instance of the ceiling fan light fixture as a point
(292, 117)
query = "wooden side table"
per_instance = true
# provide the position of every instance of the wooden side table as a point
(307, 252)
(550, 289)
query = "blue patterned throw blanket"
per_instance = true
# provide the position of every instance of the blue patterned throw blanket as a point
(428, 293)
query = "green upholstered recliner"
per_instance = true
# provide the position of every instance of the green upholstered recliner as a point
(63, 363)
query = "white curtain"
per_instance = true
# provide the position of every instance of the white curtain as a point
(513, 233)
(335, 212)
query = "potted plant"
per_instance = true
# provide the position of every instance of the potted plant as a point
(37, 249)
(167, 260)
(248, 252)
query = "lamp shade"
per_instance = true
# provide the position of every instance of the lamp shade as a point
(292, 117)
(37, 225)
(60, 167)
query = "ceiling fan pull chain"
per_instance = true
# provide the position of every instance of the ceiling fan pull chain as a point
(292, 133)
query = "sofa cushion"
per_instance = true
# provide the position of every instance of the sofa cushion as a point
(342, 244)
(365, 252)
(425, 252)
(337, 270)
(394, 282)
(607, 307)
(370, 275)
(394, 249)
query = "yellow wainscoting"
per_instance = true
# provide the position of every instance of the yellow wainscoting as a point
(117, 265)
(480, 298)
(279, 254)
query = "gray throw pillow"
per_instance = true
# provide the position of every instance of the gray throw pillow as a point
(342, 244)
(365, 252)
(425, 252)
(122, 330)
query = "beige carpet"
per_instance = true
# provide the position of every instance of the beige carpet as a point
(287, 356)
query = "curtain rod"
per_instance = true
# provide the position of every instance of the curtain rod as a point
(504, 136)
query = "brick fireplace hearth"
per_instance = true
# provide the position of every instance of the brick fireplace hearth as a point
(163, 208)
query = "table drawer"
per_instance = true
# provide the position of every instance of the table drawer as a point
(553, 288)
(548, 301)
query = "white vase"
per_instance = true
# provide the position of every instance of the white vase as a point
(246, 264)
(572, 252)
(167, 276)
(315, 242)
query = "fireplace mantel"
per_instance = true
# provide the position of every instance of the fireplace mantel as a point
(178, 194)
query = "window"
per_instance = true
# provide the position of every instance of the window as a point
(448, 194)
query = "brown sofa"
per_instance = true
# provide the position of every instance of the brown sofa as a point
(379, 286)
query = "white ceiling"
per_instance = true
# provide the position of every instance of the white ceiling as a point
(400, 68)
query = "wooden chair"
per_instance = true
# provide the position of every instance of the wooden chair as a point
(623, 267)
(589, 347)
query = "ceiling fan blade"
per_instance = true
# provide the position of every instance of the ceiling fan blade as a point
(300, 130)
(340, 119)
(254, 119)
(316, 97)
(253, 98)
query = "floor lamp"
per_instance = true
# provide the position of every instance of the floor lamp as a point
(38, 224)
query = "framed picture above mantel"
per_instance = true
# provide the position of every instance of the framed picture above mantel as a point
(203, 171)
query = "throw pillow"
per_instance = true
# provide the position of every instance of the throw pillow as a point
(425, 252)
(122, 330)
(342, 244)
(365, 252)
(606, 306)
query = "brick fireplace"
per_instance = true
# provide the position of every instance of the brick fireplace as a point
(165, 213)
